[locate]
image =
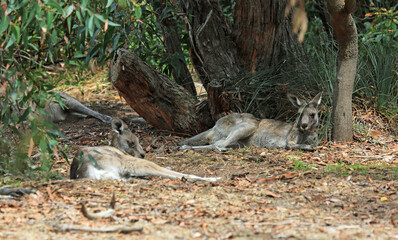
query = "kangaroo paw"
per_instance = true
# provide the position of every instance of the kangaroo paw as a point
(185, 147)
(213, 179)
(209, 179)
(106, 119)
(306, 148)
(221, 149)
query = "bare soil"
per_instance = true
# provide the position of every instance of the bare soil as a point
(339, 191)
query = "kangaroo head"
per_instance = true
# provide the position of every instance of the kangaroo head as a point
(308, 112)
(125, 140)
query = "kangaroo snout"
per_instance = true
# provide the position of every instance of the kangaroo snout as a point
(304, 126)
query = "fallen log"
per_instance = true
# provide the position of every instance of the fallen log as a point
(155, 97)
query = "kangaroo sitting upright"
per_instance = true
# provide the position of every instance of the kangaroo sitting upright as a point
(115, 162)
(73, 109)
(239, 129)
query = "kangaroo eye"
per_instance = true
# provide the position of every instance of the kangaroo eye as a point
(312, 115)
(132, 144)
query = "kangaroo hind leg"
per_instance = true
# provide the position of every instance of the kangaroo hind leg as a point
(77, 107)
(197, 140)
(237, 133)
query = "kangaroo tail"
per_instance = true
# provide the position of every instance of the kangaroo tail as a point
(73, 168)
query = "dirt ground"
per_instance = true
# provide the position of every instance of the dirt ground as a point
(340, 191)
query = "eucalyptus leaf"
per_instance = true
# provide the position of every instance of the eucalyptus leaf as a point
(93, 161)
(68, 11)
(138, 12)
(4, 22)
(11, 41)
(109, 3)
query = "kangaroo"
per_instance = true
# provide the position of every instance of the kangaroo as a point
(115, 162)
(74, 109)
(239, 129)
(125, 140)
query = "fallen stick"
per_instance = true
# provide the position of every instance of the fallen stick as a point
(121, 229)
(92, 216)
(104, 214)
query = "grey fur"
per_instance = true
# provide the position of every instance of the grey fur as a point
(115, 162)
(74, 109)
(125, 140)
(243, 129)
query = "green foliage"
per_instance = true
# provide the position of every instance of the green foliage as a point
(382, 28)
(377, 79)
(22, 130)
(378, 170)
(302, 166)
(343, 169)
(323, 61)
(34, 35)
(144, 34)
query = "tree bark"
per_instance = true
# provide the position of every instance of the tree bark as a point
(213, 51)
(263, 34)
(173, 46)
(217, 103)
(346, 34)
(160, 101)
(261, 37)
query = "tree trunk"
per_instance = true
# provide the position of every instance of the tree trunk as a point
(218, 104)
(160, 101)
(346, 34)
(213, 51)
(263, 34)
(173, 46)
(260, 38)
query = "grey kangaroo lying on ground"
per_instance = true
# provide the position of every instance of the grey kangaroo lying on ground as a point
(115, 162)
(239, 129)
(74, 109)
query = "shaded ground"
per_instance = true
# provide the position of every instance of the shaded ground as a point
(336, 192)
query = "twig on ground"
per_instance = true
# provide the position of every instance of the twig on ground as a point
(121, 229)
(102, 214)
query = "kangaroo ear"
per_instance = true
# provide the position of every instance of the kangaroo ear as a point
(117, 125)
(317, 99)
(296, 101)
